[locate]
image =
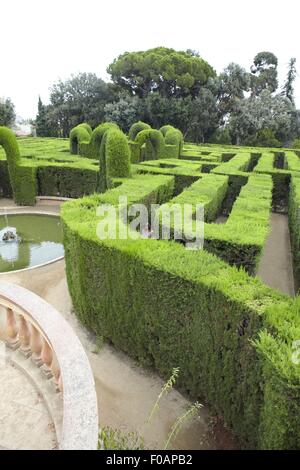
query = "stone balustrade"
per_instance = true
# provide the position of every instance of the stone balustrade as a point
(36, 329)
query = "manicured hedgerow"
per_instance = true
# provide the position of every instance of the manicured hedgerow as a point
(78, 135)
(154, 144)
(174, 140)
(136, 128)
(114, 158)
(91, 147)
(229, 334)
(294, 224)
(22, 176)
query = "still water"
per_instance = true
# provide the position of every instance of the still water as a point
(32, 240)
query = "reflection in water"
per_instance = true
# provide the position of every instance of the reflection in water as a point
(38, 240)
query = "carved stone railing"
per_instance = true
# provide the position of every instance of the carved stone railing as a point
(38, 330)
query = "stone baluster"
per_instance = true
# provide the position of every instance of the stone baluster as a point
(36, 346)
(55, 371)
(24, 336)
(12, 330)
(60, 383)
(47, 358)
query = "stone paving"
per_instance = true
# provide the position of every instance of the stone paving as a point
(24, 419)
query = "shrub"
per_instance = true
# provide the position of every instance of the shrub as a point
(154, 144)
(189, 309)
(296, 144)
(114, 157)
(174, 137)
(264, 138)
(22, 177)
(294, 224)
(136, 128)
(87, 127)
(221, 136)
(165, 129)
(92, 149)
(78, 135)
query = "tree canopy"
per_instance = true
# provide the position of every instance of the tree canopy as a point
(7, 112)
(264, 73)
(169, 72)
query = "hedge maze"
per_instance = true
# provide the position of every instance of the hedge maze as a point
(203, 311)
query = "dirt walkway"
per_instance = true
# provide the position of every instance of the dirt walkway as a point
(276, 265)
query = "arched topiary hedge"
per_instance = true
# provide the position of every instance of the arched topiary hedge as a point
(165, 129)
(136, 128)
(174, 138)
(87, 127)
(91, 148)
(22, 177)
(154, 144)
(78, 135)
(114, 158)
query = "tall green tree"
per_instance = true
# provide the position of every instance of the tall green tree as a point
(80, 98)
(43, 128)
(7, 112)
(169, 72)
(288, 87)
(127, 110)
(264, 73)
(234, 81)
(265, 111)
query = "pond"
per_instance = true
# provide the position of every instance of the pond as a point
(28, 240)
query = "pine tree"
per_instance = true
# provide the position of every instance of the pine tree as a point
(288, 87)
(42, 128)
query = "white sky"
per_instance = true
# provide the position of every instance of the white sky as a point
(42, 41)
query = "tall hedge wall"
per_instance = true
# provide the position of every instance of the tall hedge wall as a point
(168, 307)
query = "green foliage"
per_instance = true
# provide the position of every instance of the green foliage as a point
(45, 168)
(7, 112)
(126, 110)
(136, 128)
(80, 98)
(288, 87)
(114, 157)
(264, 73)
(221, 136)
(172, 73)
(117, 155)
(79, 134)
(22, 178)
(174, 137)
(264, 138)
(43, 129)
(296, 144)
(233, 82)
(115, 439)
(154, 144)
(294, 224)
(210, 311)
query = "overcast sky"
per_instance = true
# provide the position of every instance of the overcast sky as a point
(42, 41)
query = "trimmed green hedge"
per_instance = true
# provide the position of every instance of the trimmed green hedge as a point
(78, 135)
(136, 128)
(281, 179)
(174, 138)
(294, 224)
(151, 144)
(91, 148)
(209, 190)
(21, 176)
(240, 241)
(169, 307)
(114, 158)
